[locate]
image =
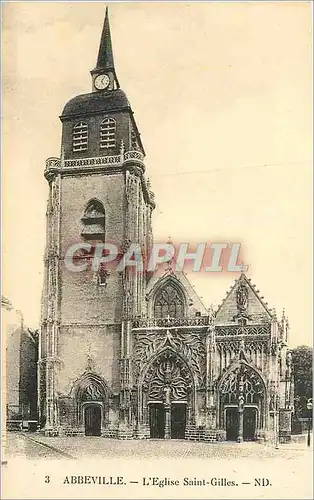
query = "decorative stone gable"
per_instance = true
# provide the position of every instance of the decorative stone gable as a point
(243, 305)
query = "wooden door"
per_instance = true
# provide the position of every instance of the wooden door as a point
(93, 420)
(232, 424)
(157, 420)
(178, 420)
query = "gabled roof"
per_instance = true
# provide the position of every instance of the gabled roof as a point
(258, 309)
(194, 302)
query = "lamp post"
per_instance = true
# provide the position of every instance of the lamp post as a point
(309, 407)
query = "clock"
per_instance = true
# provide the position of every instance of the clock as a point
(102, 82)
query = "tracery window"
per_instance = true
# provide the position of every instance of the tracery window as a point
(80, 136)
(90, 388)
(252, 387)
(169, 302)
(92, 393)
(108, 133)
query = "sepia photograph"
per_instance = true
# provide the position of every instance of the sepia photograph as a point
(156, 313)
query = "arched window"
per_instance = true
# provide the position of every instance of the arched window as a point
(108, 133)
(94, 221)
(169, 302)
(80, 136)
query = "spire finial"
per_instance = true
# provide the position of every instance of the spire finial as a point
(104, 74)
(105, 54)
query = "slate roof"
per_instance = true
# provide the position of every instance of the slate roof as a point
(96, 102)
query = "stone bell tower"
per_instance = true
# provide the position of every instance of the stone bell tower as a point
(97, 193)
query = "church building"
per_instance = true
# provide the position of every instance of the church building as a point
(137, 355)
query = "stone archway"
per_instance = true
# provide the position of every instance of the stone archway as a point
(91, 395)
(167, 398)
(242, 402)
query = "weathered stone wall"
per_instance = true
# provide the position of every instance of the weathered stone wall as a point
(83, 301)
(79, 343)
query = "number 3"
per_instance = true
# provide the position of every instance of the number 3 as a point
(47, 479)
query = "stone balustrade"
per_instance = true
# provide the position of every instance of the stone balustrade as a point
(170, 322)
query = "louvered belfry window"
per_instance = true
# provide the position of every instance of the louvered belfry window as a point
(108, 133)
(80, 136)
(94, 221)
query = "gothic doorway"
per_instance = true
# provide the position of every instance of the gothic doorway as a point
(92, 405)
(92, 417)
(232, 424)
(249, 424)
(157, 420)
(242, 396)
(167, 392)
(178, 420)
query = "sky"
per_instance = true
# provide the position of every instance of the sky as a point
(222, 95)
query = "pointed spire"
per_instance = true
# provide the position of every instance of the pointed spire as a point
(105, 54)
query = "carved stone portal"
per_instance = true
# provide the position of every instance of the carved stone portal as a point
(168, 379)
(92, 393)
(191, 350)
(243, 377)
(242, 403)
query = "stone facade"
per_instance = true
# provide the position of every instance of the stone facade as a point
(131, 355)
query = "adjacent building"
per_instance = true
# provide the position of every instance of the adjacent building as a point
(20, 359)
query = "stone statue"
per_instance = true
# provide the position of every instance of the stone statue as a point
(167, 392)
(242, 297)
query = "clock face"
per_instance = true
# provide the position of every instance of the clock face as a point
(102, 82)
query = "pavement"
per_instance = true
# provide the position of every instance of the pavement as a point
(44, 467)
(36, 446)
